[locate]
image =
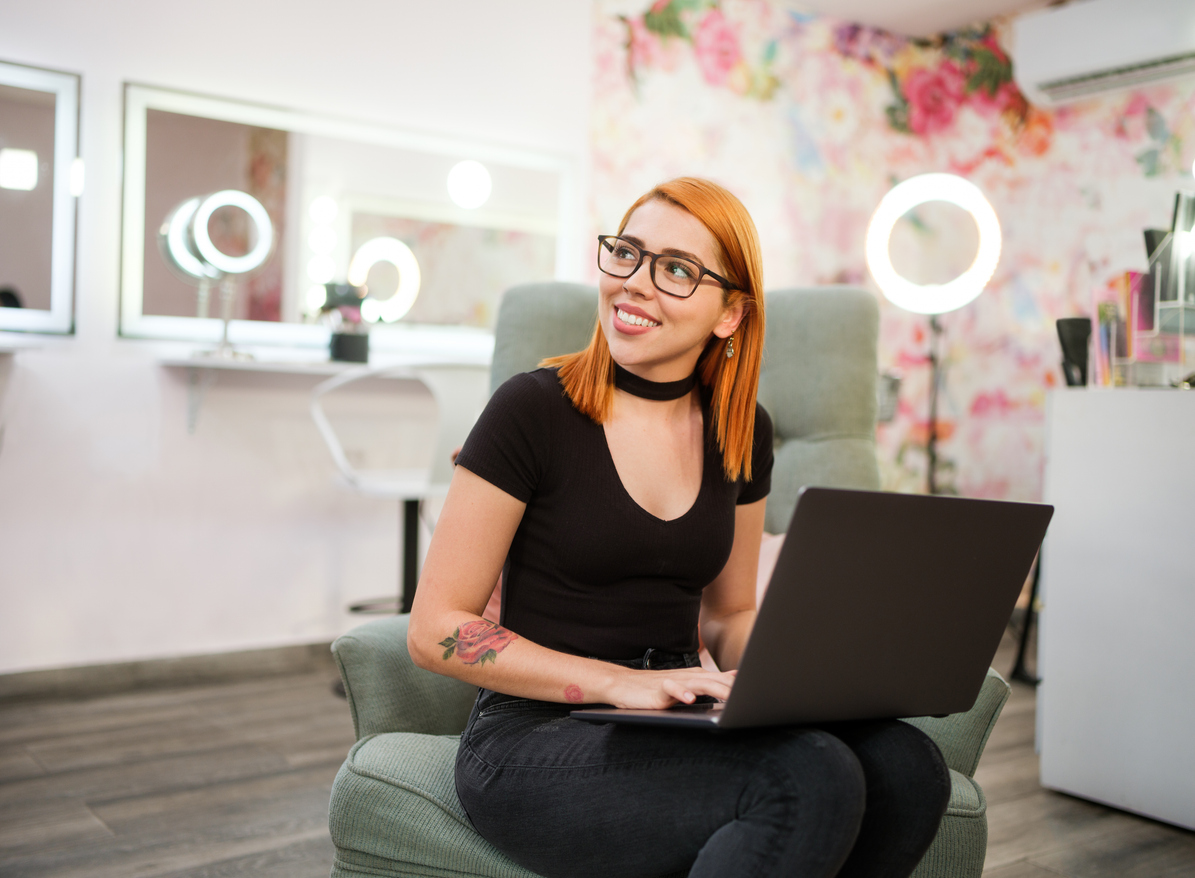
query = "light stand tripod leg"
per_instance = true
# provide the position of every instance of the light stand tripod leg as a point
(410, 554)
(931, 443)
(1019, 672)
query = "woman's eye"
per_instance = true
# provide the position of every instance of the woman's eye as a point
(680, 270)
(625, 253)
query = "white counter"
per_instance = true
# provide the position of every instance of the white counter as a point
(1116, 706)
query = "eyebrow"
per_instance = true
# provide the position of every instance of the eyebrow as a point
(667, 251)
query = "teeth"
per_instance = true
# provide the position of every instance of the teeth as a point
(635, 319)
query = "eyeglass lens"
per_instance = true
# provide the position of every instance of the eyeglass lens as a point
(674, 275)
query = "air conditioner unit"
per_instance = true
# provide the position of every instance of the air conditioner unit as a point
(1092, 46)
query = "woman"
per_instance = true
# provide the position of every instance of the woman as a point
(621, 496)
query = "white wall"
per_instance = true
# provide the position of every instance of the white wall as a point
(121, 535)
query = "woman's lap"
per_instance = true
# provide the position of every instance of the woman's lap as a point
(570, 798)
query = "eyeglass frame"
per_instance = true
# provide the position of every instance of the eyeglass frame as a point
(726, 285)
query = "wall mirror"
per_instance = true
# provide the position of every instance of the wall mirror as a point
(40, 178)
(338, 195)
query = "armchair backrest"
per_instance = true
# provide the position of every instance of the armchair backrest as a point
(540, 320)
(818, 382)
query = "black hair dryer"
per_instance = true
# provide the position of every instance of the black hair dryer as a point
(1073, 334)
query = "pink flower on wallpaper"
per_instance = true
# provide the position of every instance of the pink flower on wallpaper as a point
(994, 404)
(645, 48)
(993, 104)
(934, 97)
(866, 44)
(659, 6)
(717, 47)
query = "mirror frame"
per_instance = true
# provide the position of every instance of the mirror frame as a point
(462, 341)
(65, 87)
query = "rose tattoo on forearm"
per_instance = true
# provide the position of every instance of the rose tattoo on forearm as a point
(476, 643)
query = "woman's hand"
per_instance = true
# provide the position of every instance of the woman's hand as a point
(656, 690)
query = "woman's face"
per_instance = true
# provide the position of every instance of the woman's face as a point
(667, 340)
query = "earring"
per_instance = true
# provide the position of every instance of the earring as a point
(730, 347)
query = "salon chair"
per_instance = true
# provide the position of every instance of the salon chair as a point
(459, 399)
(394, 810)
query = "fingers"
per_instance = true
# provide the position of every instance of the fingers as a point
(685, 686)
(661, 689)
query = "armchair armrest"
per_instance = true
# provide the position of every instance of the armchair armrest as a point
(962, 736)
(388, 693)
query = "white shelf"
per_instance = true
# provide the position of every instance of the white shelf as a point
(204, 368)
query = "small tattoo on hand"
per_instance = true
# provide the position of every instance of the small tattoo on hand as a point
(573, 694)
(476, 643)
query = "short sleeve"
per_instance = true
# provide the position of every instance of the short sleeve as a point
(509, 444)
(761, 460)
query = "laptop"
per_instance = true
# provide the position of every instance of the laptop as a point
(880, 605)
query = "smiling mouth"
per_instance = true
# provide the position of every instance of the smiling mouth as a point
(634, 319)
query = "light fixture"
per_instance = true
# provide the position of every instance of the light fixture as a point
(175, 238)
(188, 249)
(18, 169)
(317, 296)
(322, 240)
(933, 299)
(400, 256)
(323, 209)
(321, 268)
(257, 215)
(469, 184)
(77, 177)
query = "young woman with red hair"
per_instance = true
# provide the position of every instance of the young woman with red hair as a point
(620, 492)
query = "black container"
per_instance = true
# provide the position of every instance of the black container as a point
(350, 347)
(1073, 334)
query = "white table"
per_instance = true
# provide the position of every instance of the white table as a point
(1116, 705)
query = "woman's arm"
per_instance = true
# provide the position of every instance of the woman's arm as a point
(728, 603)
(447, 634)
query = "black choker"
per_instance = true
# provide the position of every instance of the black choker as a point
(657, 390)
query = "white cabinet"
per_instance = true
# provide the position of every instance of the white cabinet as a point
(1116, 706)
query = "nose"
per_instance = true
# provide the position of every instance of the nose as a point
(640, 281)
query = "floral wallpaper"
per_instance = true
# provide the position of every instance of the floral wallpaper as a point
(811, 120)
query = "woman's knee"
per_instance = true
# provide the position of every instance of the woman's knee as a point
(819, 773)
(903, 761)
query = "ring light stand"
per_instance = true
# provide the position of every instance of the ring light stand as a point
(937, 299)
(933, 299)
(189, 250)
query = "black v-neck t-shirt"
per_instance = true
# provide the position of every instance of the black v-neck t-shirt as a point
(590, 572)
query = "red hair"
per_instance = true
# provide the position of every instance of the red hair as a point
(588, 375)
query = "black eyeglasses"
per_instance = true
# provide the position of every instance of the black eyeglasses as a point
(675, 275)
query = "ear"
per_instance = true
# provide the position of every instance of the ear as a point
(732, 316)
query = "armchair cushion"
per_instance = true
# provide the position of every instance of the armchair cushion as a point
(394, 812)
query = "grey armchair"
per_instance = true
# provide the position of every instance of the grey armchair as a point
(394, 810)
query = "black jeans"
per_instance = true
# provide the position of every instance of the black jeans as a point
(574, 799)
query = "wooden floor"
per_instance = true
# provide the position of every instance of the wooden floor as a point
(233, 780)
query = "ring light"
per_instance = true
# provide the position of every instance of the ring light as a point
(257, 214)
(469, 184)
(177, 249)
(933, 298)
(400, 256)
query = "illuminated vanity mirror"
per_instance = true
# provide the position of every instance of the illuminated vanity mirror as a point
(347, 202)
(40, 178)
